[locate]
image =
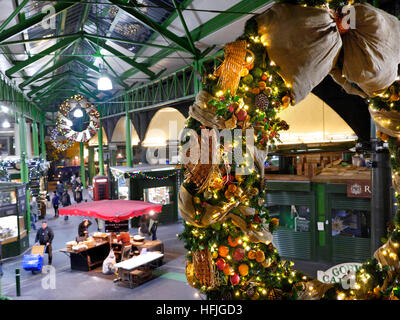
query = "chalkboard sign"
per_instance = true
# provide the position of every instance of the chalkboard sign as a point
(122, 226)
(302, 225)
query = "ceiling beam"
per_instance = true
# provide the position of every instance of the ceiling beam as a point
(96, 69)
(121, 56)
(34, 20)
(52, 87)
(155, 26)
(13, 15)
(184, 25)
(166, 23)
(46, 71)
(59, 45)
(10, 43)
(145, 44)
(220, 21)
(45, 85)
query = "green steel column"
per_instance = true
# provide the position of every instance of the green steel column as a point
(24, 167)
(35, 139)
(83, 176)
(128, 146)
(42, 142)
(101, 159)
(91, 165)
(197, 66)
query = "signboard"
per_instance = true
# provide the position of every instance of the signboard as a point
(122, 226)
(359, 189)
(336, 273)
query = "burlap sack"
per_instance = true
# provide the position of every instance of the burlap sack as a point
(386, 121)
(308, 49)
(372, 49)
(303, 42)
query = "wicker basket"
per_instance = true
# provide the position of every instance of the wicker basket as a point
(203, 268)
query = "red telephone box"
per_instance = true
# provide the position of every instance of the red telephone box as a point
(100, 188)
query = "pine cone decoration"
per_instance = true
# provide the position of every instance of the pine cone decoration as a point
(251, 291)
(261, 101)
(284, 125)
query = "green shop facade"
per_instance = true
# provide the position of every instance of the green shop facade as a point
(321, 221)
(15, 223)
(151, 183)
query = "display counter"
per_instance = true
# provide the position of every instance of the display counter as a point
(89, 254)
(86, 259)
(326, 217)
(150, 246)
(13, 229)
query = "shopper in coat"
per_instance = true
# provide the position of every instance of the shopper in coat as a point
(65, 201)
(153, 225)
(74, 184)
(34, 212)
(78, 190)
(60, 188)
(44, 237)
(55, 202)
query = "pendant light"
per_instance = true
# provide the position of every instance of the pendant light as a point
(78, 113)
(104, 83)
(6, 124)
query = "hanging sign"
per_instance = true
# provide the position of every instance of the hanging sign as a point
(359, 189)
(121, 226)
(337, 273)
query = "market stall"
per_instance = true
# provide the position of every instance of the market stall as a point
(90, 252)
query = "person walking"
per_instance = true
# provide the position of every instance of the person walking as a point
(34, 212)
(65, 201)
(60, 188)
(78, 190)
(55, 202)
(44, 237)
(153, 225)
(74, 184)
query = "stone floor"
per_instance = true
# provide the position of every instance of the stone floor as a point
(168, 283)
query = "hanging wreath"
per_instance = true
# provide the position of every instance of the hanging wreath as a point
(57, 143)
(64, 124)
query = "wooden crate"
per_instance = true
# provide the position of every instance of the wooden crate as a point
(38, 250)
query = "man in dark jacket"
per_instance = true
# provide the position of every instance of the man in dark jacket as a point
(83, 228)
(45, 237)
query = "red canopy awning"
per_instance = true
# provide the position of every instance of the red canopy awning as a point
(111, 210)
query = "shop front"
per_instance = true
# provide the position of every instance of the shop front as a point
(157, 184)
(14, 237)
(326, 217)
